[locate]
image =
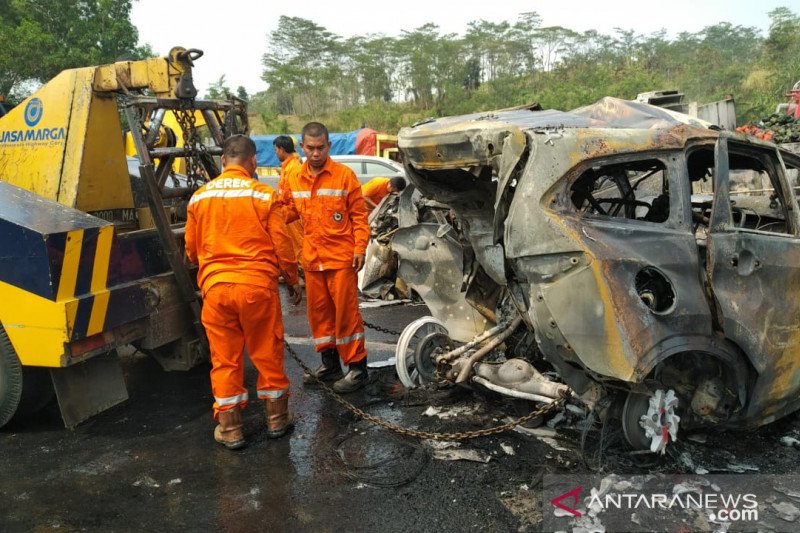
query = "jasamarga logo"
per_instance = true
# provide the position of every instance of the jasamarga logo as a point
(32, 134)
(33, 114)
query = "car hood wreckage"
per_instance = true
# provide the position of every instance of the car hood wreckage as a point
(619, 250)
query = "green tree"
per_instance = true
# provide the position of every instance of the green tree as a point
(374, 58)
(418, 50)
(782, 46)
(302, 65)
(40, 38)
(218, 90)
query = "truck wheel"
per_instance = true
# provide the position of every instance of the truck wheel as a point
(10, 379)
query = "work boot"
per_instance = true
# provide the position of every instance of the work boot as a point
(229, 430)
(355, 379)
(329, 370)
(279, 418)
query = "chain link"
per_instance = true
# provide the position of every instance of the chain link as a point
(195, 150)
(381, 329)
(464, 435)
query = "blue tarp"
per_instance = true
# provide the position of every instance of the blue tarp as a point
(341, 144)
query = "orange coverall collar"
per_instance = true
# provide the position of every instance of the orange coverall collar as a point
(293, 157)
(327, 167)
(236, 169)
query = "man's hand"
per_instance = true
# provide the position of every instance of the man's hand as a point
(358, 262)
(295, 294)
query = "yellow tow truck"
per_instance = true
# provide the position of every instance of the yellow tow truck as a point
(91, 242)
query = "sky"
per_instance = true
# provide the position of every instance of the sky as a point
(234, 34)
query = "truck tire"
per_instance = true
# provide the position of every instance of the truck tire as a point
(23, 389)
(10, 379)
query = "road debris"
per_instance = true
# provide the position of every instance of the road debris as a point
(507, 448)
(462, 454)
(786, 511)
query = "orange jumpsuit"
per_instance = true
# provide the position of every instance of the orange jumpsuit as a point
(376, 189)
(335, 229)
(294, 229)
(235, 232)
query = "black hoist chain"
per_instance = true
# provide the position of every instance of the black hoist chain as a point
(381, 329)
(194, 149)
(544, 410)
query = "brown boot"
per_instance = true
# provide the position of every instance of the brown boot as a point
(229, 431)
(279, 418)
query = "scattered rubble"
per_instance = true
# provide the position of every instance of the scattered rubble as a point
(507, 448)
(791, 442)
(786, 511)
(462, 454)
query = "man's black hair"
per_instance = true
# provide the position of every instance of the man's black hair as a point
(239, 147)
(314, 129)
(285, 142)
(398, 183)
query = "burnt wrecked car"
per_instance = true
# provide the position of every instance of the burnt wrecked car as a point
(618, 250)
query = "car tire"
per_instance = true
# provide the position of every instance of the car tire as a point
(10, 379)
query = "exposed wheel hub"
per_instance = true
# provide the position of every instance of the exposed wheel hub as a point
(651, 421)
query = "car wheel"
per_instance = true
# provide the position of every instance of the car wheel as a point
(10, 379)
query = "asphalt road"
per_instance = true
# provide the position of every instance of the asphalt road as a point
(152, 464)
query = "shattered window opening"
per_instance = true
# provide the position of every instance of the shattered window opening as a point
(636, 190)
(755, 194)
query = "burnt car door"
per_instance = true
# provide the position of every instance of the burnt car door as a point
(634, 219)
(753, 267)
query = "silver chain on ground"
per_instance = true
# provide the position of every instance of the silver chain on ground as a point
(464, 435)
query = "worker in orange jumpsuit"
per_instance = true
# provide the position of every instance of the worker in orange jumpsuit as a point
(235, 233)
(290, 161)
(327, 196)
(377, 189)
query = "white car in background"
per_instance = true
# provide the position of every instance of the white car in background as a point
(367, 167)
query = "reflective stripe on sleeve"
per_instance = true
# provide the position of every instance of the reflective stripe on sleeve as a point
(301, 194)
(231, 400)
(350, 339)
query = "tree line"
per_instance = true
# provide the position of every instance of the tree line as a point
(387, 82)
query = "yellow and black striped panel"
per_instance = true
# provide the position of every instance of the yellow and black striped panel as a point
(84, 262)
(84, 275)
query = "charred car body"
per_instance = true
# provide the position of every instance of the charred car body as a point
(627, 247)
